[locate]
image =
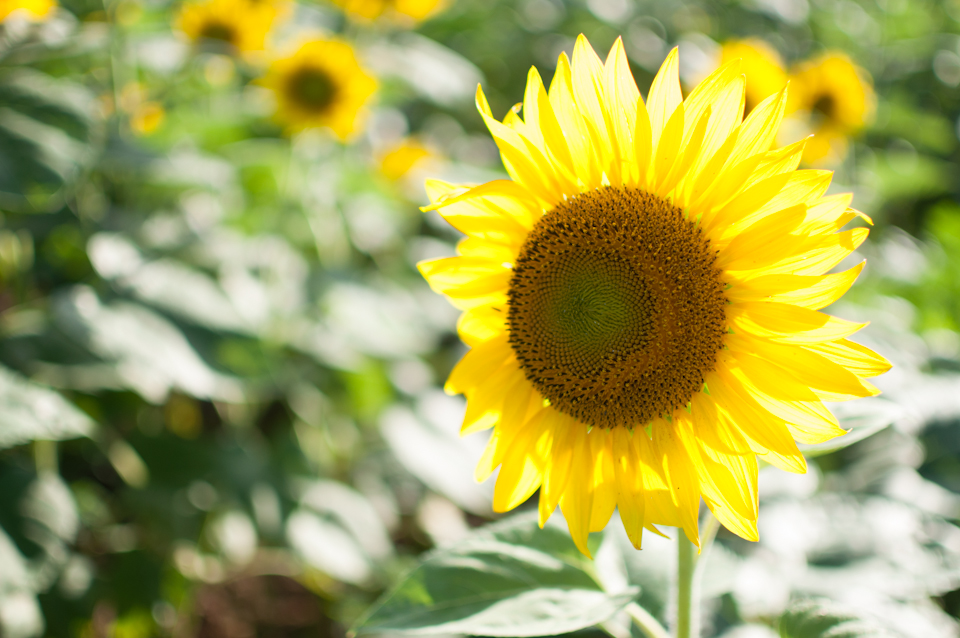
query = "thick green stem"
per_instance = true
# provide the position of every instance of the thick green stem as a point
(686, 606)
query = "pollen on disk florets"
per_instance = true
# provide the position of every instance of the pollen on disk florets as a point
(616, 307)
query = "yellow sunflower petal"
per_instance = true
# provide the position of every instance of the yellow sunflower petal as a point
(789, 324)
(605, 483)
(522, 469)
(621, 90)
(858, 359)
(629, 477)
(566, 437)
(478, 363)
(813, 292)
(586, 162)
(665, 95)
(577, 500)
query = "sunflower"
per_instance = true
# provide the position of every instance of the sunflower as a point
(371, 9)
(238, 25)
(322, 84)
(35, 10)
(838, 98)
(761, 65)
(642, 297)
(403, 157)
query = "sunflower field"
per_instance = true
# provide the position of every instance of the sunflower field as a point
(233, 403)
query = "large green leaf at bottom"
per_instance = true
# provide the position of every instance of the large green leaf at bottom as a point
(509, 579)
(825, 619)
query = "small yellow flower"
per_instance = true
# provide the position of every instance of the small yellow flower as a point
(399, 160)
(372, 9)
(322, 84)
(147, 118)
(240, 25)
(837, 97)
(761, 65)
(36, 10)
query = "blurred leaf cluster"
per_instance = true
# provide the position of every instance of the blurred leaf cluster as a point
(220, 404)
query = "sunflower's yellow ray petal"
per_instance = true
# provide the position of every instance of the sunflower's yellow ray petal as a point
(869, 390)
(539, 114)
(781, 394)
(764, 429)
(820, 258)
(521, 158)
(727, 481)
(587, 76)
(642, 144)
(488, 461)
(622, 95)
(489, 250)
(681, 477)
(482, 324)
(567, 436)
(777, 162)
(823, 216)
(629, 477)
(522, 469)
(763, 242)
(803, 187)
(586, 163)
(665, 96)
(464, 276)
(577, 500)
(813, 292)
(719, 93)
(759, 130)
(478, 363)
(749, 200)
(676, 181)
(604, 477)
(788, 324)
(659, 506)
(708, 179)
(810, 368)
(799, 187)
(668, 149)
(492, 199)
(487, 403)
(720, 435)
(858, 359)
(518, 399)
(725, 107)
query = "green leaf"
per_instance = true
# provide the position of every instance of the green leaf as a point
(825, 619)
(861, 419)
(29, 412)
(509, 579)
(47, 135)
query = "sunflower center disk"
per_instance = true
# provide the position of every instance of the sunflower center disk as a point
(616, 309)
(312, 88)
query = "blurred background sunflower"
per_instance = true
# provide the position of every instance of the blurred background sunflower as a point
(221, 410)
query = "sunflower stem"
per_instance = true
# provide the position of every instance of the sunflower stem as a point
(646, 622)
(686, 565)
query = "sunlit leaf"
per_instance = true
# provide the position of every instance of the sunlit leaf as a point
(509, 579)
(825, 619)
(30, 411)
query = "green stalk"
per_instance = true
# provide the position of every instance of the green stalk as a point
(686, 565)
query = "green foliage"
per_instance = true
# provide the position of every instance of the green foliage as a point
(510, 579)
(823, 619)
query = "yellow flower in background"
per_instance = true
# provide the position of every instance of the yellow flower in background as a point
(371, 9)
(760, 64)
(321, 85)
(400, 159)
(642, 298)
(241, 25)
(30, 9)
(837, 97)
